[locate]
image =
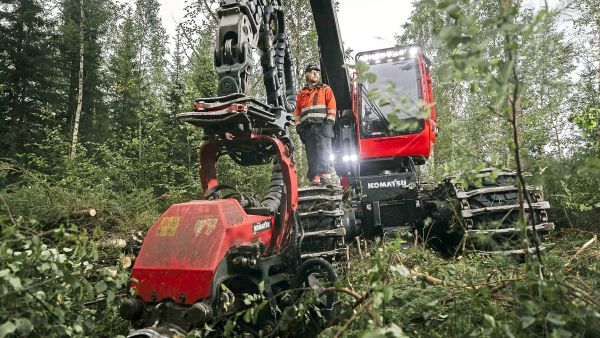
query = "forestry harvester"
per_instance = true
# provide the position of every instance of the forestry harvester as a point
(201, 257)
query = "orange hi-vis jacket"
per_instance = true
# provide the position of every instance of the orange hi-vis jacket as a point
(315, 105)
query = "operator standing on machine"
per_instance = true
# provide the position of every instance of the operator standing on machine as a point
(315, 111)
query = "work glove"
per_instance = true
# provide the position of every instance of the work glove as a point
(328, 128)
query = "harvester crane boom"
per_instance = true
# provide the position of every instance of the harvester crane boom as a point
(331, 48)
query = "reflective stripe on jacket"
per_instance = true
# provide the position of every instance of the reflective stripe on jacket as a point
(315, 105)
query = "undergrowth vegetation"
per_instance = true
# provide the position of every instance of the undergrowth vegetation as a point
(59, 278)
(57, 283)
(425, 295)
(390, 290)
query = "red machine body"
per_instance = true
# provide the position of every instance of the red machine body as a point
(419, 144)
(183, 249)
(390, 129)
(200, 257)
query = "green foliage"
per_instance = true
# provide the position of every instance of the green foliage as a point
(552, 75)
(302, 35)
(468, 43)
(570, 188)
(28, 74)
(414, 292)
(419, 294)
(125, 78)
(97, 22)
(588, 121)
(197, 35)
(585, 99)
(129, 192)
(53, 284)
(426, 296)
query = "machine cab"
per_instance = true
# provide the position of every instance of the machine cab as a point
(394, 114)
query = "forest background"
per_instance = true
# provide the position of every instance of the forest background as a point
(89, 90)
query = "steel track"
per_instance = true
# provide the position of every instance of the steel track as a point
(320, 211)
(487, 212)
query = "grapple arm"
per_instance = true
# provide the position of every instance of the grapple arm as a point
(245, 25)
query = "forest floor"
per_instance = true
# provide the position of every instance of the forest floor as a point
(479, 295)
(406, 292)
(417, 293)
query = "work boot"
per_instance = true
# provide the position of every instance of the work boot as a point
(327, 179)
(316, 180)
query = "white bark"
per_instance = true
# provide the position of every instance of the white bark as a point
(80, 87)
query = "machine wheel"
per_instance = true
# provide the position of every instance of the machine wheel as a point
(486, 213)
(317, 274)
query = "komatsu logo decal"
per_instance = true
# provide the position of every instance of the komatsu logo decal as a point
(386, 184)
(261, 226)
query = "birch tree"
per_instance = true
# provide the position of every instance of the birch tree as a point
(80, 87)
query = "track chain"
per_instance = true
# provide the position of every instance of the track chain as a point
(320, 211)
(489, 212)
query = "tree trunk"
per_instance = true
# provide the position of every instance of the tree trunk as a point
(515, 114)
(80, 92)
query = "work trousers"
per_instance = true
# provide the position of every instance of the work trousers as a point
(317, 141)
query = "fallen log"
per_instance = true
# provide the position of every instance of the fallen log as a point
(118, 243)
(126, 261)
(84, 213)
(427, 278)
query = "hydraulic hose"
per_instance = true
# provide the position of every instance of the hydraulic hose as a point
(286, 65)
(272, 200)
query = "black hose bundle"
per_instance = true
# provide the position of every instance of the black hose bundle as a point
(272, 200)
(285, 65)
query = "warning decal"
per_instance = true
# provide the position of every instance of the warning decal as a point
(168, 226)
(208, 224)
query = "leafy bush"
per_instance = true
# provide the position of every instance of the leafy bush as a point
(571, 188)
(55, 284)
(423, 295)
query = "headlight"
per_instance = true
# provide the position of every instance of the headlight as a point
(413, 51)
(331, 157)
(350, 158)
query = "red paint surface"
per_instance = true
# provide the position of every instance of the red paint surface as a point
(345, 183)
(208, 177)
(420, 144)
(397, 146)
(185, 262)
